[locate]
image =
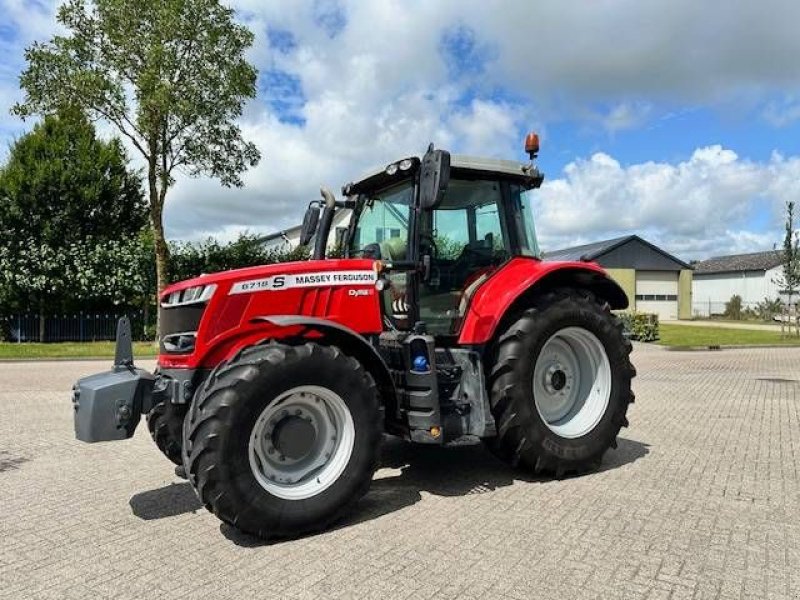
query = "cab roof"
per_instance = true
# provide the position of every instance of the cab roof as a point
(460, 166)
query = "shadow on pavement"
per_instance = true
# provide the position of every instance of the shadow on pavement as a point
(168, 501)
(10, 462)
(458, 471)
(628, 451)
(455, 471)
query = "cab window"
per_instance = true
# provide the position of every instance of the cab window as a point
(382, 225)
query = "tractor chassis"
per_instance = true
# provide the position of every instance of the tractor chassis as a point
(445, 403)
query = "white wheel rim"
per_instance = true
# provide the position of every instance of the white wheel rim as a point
(572, 382)
(304, 476)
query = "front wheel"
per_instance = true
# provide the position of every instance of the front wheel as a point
(561, 384)
(283, 439)
(165, 422)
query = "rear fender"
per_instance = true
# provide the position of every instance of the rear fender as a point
(513, 287)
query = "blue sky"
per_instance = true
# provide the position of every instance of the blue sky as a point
(677, 120)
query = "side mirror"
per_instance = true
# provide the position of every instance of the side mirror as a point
(372, 251)
(434, 177)
(310, 222)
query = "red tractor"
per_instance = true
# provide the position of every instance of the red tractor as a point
(441, 325)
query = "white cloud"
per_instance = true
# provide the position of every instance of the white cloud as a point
(682, 49)
(695, 208)
(626, 115)
(379, 88)
(781, 113)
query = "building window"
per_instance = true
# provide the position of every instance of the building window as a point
(657, 297)
(386, 233)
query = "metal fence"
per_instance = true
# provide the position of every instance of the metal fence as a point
(710, 308)
(77, 327)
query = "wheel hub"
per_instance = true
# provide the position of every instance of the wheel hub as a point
(558, 380)
(294, 437)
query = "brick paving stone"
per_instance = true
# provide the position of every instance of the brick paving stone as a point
(700, 501)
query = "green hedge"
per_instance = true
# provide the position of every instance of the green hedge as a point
(642, 327)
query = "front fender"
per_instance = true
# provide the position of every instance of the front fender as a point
(515, 283)
(344, 338)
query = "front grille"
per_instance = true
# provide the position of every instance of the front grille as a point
(181, 319)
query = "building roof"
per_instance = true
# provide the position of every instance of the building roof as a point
(280, 234)
(586, 252)
(754, 261)
(595, 250)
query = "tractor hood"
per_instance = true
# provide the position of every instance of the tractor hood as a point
(319, 268)
(205, 318)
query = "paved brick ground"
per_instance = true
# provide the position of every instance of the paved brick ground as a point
(699, 501)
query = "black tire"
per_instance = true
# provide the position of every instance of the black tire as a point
(523, 437)
(224, 411)
(165, 423)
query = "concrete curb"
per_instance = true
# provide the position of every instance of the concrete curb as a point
(724, 347)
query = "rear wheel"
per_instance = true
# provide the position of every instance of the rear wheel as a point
(282, 440)
(561, 384)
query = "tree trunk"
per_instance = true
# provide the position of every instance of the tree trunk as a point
(157, 223)
(41, 322)
(145, 316)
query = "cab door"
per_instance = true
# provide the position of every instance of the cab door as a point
(466, 238)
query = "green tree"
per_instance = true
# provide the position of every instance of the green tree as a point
(66, 198)
(789, 279)
(171, 76)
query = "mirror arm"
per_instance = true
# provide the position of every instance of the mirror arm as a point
(325, 224)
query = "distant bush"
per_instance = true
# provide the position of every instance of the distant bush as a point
(768, 309)
(642, 327)
(190, 259)
(733, 308)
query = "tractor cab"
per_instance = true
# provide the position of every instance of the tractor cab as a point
(438, 241)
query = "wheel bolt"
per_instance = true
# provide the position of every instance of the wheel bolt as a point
(281, 458)
(298, 412)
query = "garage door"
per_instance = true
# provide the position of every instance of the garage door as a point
(657, 292)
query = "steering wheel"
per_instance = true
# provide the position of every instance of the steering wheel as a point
(369, 251)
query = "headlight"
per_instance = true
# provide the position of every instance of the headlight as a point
(391, 169)
(405, 165)
(193, 295)
(180, 343)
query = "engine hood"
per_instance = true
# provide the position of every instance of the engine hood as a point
(225, 280)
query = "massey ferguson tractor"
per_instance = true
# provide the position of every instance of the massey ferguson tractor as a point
(441, 325)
